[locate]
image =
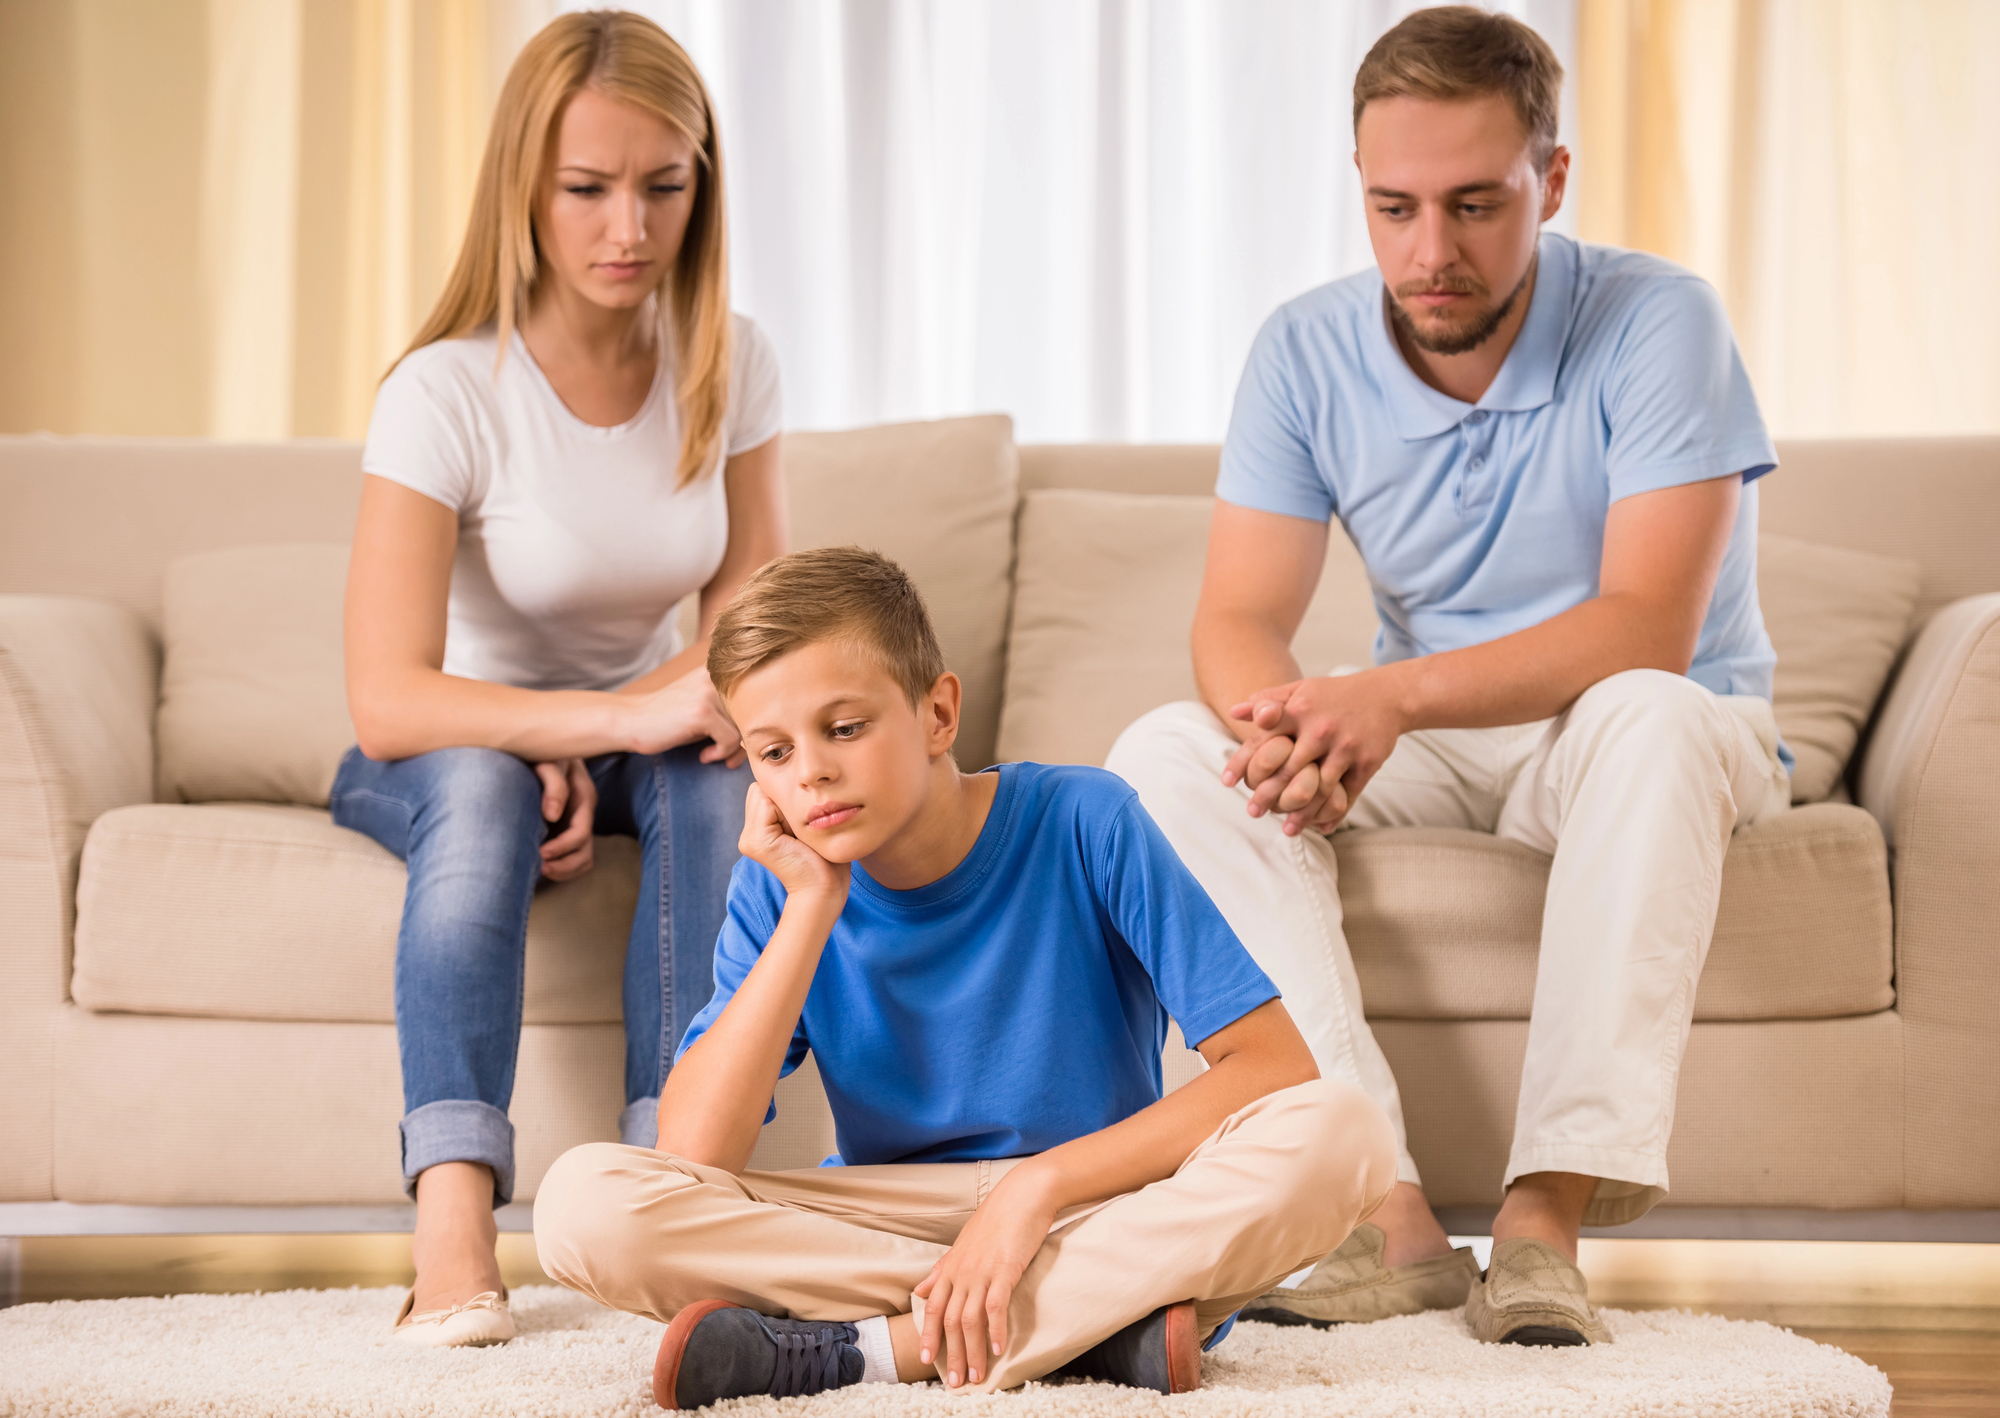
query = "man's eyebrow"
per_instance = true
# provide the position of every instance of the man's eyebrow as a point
(1464, 189)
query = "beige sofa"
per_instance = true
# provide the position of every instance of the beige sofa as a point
(195, 1003)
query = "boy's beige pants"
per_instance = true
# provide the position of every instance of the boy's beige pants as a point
(1276, 1187)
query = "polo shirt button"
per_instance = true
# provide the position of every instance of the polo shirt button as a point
(1476, 416)
(1476, 464)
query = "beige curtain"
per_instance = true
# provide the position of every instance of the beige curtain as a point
(227, 217)
(1829, 165)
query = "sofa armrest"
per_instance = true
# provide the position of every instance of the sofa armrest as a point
(1932, 778)
(79, 680)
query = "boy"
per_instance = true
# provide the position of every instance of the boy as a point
(981, 965)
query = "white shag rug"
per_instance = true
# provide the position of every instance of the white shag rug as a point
(326, 1353)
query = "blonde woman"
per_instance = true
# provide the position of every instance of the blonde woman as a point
(581, 435)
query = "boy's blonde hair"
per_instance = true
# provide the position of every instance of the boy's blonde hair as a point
(833, 593)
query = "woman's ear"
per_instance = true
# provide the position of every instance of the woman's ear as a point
(945, 701)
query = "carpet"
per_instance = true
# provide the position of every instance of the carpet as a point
(324, 1352)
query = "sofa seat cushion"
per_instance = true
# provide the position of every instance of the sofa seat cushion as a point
(248, 911)
(244, 911)
(1445, 924)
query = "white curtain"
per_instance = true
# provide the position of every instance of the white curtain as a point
(1074, 211)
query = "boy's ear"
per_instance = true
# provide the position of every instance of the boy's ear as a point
(945, 700)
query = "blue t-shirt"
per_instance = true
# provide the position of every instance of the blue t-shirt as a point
(1479, 520)
(1021, 1000)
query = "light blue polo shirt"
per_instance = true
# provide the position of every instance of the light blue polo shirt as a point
(1478, 520)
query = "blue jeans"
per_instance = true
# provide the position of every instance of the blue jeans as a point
(468, 821)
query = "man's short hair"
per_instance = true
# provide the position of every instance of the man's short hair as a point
(833, 593)
(1458, 51)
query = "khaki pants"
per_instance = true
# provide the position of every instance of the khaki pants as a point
(1634, 790)
(1279, 1185)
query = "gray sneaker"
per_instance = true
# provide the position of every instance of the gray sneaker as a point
(1533, 1294)
(715, 1350)
(1161, 1352)
(1353, 1286)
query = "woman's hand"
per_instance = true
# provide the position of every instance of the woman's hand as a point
(966, 1294)
(768, 840)
(687, 711)
(567, 787)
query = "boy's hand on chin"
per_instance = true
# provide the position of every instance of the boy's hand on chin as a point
(768, 841)
(966, 1294)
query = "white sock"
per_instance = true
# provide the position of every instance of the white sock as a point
(879, 1355)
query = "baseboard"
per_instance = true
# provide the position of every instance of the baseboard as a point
(1723, 1223)
(65, 1218)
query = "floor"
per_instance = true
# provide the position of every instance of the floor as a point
(1926, 1315)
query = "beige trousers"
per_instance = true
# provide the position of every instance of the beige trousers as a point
(1277, 1186)
(1634, 790)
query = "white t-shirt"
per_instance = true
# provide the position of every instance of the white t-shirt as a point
(574, 545)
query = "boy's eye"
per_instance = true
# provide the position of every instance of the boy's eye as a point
(845, 731)
(775, 753)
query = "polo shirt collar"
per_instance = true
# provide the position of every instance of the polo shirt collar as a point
(1527, 379)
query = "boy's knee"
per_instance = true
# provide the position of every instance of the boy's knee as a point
(1339, 1132)
(580, 1210)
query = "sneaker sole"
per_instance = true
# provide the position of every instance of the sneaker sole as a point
(1183, 1349)
(1544, 1336)
(673, 1344)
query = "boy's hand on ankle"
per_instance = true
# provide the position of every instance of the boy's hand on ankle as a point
(967, 1292)
(767, 840)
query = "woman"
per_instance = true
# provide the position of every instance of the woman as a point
(581, 435)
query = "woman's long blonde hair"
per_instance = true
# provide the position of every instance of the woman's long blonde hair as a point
(626, 57)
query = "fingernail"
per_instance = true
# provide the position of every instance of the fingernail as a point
(996, 1351)
(973, 1375)
(951, 1379)
(924, 1356)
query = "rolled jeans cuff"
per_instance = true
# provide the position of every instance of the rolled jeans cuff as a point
(639, 1124)
(459, 1130)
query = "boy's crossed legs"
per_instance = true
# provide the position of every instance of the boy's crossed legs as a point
(1278, 1186)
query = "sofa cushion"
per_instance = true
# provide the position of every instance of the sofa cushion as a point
(248, 911)
(1104, 593)
(1105, 585)
(253, 705)
(939, 499)
(254, 912)
(1838, 619)
(1444, 924)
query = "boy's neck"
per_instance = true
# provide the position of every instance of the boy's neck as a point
(943, 832)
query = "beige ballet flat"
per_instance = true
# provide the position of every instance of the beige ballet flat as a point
(481, 1320)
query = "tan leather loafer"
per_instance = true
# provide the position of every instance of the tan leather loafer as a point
(1352, 1286)
(1532, 1294)
(481, 1320)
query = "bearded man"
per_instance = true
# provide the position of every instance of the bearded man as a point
(1545, 452)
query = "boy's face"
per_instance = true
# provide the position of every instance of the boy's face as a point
(837, 746)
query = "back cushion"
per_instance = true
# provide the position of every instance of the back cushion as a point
(939, 499)
(1105, 589)
(252, 703)
(1104, 593)
(1837, 619)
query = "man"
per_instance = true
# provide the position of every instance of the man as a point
(1545, 453)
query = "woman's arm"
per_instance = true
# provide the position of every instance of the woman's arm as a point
(402, 702)
(759, 531)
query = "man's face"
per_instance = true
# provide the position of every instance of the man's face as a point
(837, 746)
(1454, 208)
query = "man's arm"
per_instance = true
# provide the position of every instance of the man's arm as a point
(714, 1100)
(967, 1291)
(1662, 553)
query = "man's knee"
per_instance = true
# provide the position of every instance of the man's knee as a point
(1169, 742)
(1661, 708)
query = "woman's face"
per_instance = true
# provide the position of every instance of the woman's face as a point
(616, 201)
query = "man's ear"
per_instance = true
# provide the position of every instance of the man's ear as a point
(1555, 182)
(945, 701)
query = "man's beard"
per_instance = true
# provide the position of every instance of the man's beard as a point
(1469, 335)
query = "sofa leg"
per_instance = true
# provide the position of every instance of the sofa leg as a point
(10, 1271)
